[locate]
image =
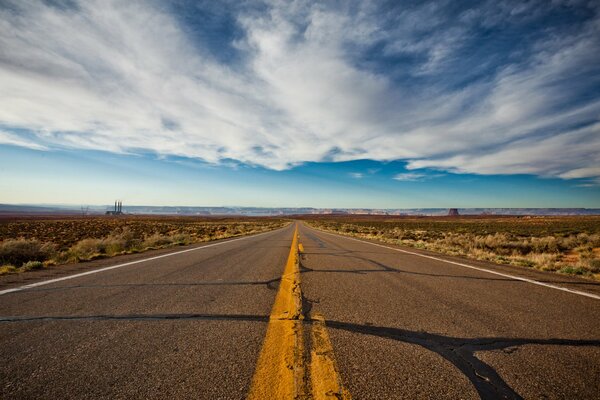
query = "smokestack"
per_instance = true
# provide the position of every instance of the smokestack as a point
(120, 206)
(115, 206)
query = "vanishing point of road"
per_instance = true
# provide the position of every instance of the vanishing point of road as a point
(305, 315)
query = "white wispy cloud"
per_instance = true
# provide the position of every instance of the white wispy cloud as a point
(557, 155)
(126, 77)
(410, 177)
(357, 175)
(416, 176)
(15, 140)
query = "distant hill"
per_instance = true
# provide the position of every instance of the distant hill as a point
(32, 209)
(274, 211)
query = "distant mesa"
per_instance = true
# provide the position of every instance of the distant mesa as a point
(453, 212)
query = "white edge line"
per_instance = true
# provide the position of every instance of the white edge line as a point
(518, 278)
(95, 271)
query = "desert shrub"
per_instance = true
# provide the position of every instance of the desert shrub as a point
(86, 249)
(119, 242)
(572, 270)
(125, 240)
(181, 239)
(29, 265)
(523, 262)
(594, 265)
(546, 261)
(568, 242)
(547, 244)
(157, 240)
(113, 245)
(568, 245)
(73, 240)
(20, 251)
(7, 269)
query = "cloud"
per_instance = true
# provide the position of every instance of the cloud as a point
(415, 176)
(581, 173)
(409, 177)
(425, 83)
(15, 140)
(357, 175)
(558, 155)
(589, 185)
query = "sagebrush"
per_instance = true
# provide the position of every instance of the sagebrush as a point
(32, 243)
(563, 244)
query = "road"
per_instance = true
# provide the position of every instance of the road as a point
(194, 324)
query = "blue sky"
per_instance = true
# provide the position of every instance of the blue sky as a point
(298, 103)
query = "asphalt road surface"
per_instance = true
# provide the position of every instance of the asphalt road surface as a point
(191, 324)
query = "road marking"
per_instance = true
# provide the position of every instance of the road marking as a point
(95, 271)
(518, 278)
(324, 373)
(279, 372)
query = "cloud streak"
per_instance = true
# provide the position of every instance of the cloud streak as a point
(311, 83)
(410, 177)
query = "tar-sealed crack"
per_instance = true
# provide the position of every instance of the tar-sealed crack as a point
(305, 269)
(273, 284)
(461, 353)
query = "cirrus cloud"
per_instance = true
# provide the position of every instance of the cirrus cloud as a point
(310, 82)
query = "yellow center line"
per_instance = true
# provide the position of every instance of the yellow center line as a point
(324, 374)
(281, 371)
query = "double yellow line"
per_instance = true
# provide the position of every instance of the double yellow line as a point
(284, 370)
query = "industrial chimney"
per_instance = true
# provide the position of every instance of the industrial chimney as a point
(118, 208)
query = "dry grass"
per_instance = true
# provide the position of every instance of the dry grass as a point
(33, 244)
(569, 245)
(20, 251)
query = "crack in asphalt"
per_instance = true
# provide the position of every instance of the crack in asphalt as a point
(460, 352)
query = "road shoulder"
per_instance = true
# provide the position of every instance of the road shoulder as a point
(566, 281)
(11, 281)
